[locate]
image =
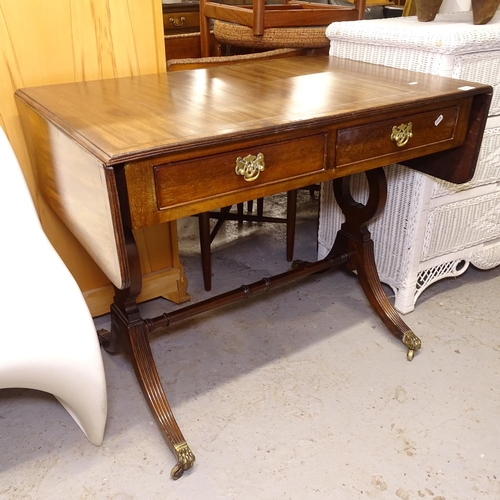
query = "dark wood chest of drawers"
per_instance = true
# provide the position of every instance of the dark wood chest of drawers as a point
(181, 17)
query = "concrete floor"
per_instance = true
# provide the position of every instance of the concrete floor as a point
(302, 396)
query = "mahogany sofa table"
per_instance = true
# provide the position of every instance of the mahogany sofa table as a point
(118, 154)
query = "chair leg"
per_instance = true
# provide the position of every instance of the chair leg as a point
(291, 218)
(206, 258)
(260, 207)
(240, 208)
(206, 237)
(204, 31)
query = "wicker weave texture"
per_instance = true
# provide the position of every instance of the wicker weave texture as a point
(487, 258)
(462, 224)
(242, 36)
(487, 171)
(448, 34)
(199, 62)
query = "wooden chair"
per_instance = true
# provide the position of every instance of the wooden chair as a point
(272, 26)
(207, 236)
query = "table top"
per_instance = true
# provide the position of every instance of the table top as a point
(143, 150)
(125, 119)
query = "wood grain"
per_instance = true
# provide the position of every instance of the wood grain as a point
(214, 106)
(57, 41)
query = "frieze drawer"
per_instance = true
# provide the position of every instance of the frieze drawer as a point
(181, 18)
(392, 139)
(185, 187)
(215, 175)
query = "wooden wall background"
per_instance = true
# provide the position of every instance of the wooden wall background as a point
(56, 41)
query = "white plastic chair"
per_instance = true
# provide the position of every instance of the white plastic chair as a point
(48, 340)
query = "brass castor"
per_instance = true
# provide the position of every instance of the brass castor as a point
(177, 472)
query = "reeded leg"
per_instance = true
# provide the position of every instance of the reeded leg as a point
(355, 238)
(129, 331)
(134, 339)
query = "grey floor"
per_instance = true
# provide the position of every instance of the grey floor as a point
(302, 396)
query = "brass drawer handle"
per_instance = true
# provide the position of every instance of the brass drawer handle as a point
(177, 22)
(402, 134)
(250, 167)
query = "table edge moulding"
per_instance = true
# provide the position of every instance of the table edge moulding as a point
(118, 154)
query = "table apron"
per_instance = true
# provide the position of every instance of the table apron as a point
(177, 185)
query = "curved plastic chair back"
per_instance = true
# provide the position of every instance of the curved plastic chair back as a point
(48, 340)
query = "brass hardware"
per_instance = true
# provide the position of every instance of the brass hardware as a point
(104, 336)
(250, 167)
(413, 343)
(177, 22)
(185, 460)
(402, 134)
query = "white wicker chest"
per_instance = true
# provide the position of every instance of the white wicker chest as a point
(430, 229)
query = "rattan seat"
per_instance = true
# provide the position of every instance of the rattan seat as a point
(309, 37)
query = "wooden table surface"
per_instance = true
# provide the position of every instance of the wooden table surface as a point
(130, 118)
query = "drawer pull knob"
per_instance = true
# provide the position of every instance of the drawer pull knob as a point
(402, 134)
(177, 22)
(250, 167)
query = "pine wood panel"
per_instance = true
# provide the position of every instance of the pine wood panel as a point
(58, 41)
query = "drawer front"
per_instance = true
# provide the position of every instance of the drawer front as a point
(174, 22)
(432, 130)
(201, 179)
